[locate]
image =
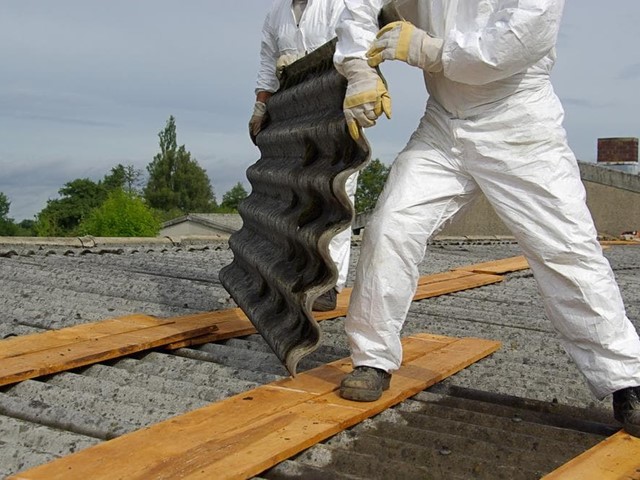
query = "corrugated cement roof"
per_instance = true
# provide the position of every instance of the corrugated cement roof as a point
(517, 414)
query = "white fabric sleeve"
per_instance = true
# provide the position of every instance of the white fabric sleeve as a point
(356, 30)
(518, 34)
(267, 80)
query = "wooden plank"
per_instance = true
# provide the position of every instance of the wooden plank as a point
(498, 267)
(615, 458)
(23, 344)
(57, 359)
(606, 243)
(56, 351)
(230, 323)
(455, 285)
(443, 277)
(242, 436)
(428, 286)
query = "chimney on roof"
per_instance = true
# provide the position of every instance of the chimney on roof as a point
(617, 150)
(619, 153)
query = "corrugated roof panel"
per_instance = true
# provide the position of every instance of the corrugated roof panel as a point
(297, 204)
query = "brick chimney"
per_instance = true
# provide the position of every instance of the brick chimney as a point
(618, 150)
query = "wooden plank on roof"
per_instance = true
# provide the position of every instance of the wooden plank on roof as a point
(458, 284)
(237, 324)
(615, 458)
(59, 350)
(230, 323)
(498, 267)
(86, 352)
(248, 433)
(34, 342)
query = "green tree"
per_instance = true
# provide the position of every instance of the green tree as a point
(233, 197)
(26, 228)
(121, 215)
(370, 183)
(61, 216)
(128, 178)
(175, 179)
(7, 225)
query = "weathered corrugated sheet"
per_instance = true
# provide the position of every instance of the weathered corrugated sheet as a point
(60, 286)
(297, 205)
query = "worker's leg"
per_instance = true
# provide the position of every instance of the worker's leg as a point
(340, 245)
(531, 178)
(424, 190)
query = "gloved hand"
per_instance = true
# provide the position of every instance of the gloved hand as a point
(403, 41)
(366, 98)
(284, 61)
(257, 120)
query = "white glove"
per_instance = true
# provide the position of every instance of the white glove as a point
(403, 41)
(284, 61)
(257, 120)
(366, 98)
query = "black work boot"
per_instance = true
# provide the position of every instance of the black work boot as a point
(626, 409)
(325, 302)
(365, 384)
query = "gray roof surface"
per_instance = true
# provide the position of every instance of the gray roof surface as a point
(227, 221)
(517, 414)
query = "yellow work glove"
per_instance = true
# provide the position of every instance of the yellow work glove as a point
(366, 98)
(257, 120)
(403, 41)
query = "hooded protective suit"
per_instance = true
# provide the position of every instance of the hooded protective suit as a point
(284, 37)
(492, 125)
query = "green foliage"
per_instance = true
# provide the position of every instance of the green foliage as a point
(26, 228)
(7, 226)
(233, 197)
(370, 183)
(5, 204)
(121, 215)
(176, 181)
(62, 216)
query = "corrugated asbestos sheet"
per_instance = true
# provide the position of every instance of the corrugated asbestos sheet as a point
(296, 206)
(515, 415)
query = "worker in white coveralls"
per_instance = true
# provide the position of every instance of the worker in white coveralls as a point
(293, 28)
(492, 125)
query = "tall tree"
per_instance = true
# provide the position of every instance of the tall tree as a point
(370, 183)
(7, 225)
(233, 197)
(127, 178)
(5, 204)
(175, 179)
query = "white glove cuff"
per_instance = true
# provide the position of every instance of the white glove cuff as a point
(431, 54)
(259, 109)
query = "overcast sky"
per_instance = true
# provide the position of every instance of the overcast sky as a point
(88, 84)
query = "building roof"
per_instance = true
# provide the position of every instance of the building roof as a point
(517, 414)
(225, 222)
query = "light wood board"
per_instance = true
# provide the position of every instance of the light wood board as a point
(248, 433)
(616, 458)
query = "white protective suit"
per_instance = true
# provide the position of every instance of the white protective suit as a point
(282, 36)
(492, 125)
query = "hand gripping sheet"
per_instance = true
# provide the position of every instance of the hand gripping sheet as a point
(297, 204)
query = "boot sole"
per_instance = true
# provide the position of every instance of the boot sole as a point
(364, 395)
(359, 395)
(323, 307)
